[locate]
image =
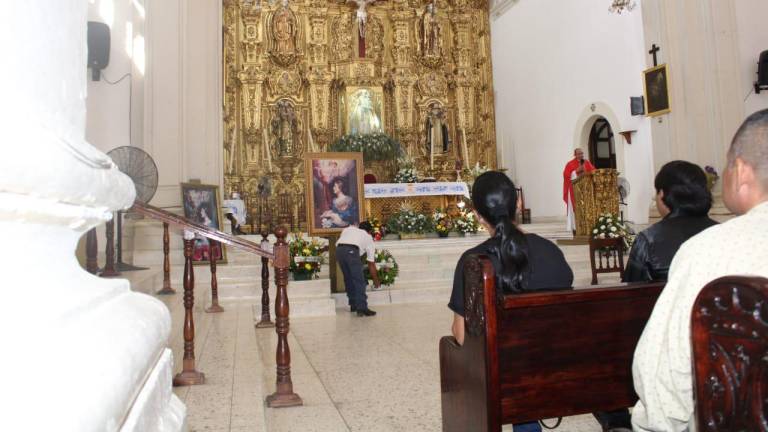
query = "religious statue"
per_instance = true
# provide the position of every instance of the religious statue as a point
(284, 31)
(362, 14)
(430, 32)
(285, 128)
(437, 129)
(364, 113)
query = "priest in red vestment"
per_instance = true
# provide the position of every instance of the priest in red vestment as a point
(573, 170)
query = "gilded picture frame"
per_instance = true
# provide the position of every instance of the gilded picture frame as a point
(656, 87)
(364, 110)
(202, 204)
(335, 195)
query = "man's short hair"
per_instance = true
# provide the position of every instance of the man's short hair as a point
(750, 144)
(366, 226)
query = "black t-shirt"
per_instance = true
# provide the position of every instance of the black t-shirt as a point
(547, 268)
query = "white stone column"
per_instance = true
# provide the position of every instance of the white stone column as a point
(80, 353)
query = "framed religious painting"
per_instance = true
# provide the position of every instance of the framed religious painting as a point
(656, 83)
(334, 190)
(363, 110)
(202, 204)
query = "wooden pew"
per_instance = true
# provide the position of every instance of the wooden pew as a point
(729, 341)
(541, 355)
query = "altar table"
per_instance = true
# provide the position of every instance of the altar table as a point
(384, 199)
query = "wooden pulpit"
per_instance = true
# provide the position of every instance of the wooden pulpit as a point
(594, 193)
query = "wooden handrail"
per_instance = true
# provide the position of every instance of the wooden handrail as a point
(213, 234)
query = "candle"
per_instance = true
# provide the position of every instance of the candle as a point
(466, 152)
(312, 147)
(432, 153)
(266, 149)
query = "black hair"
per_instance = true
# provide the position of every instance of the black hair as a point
(685, 188)
(366, 226)
(342, 184)
(494, 197)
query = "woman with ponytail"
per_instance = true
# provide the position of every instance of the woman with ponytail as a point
(523, 262)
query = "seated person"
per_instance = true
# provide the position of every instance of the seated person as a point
(662, 368)
(523, 262)
(683, 201)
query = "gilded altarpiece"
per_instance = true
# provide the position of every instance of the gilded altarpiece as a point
(290, 67)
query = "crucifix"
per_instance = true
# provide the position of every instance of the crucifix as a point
(362, 18)
(654, 49)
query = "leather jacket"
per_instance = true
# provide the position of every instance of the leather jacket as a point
(654, 248)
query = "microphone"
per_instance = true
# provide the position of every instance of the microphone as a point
(581, 162)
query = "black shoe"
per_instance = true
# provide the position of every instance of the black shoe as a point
(352, 309)
(366, 312)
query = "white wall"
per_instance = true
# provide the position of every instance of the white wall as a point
(752, 32)
(176, 105)
(552, 61)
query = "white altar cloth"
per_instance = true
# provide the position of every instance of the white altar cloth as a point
(394, 190)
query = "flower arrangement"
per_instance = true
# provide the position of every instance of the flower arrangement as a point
(466, 222)
(306, 257)
(386, 267)
(712, 176)
(375, 147)
(407, 172)
(377, 229)
(443, 222)
(408, 221)
(608, 226)
(472, 173)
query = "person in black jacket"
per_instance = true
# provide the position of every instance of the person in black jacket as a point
(683, 200)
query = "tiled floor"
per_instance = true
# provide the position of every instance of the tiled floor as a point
(354, 374)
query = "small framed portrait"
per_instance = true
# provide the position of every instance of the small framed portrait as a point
(335, 190)
(656, 82)
(202, 205)
(364, 110)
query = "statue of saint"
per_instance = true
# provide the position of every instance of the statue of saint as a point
(284, 30)
(430, 32)
(437, 129)
(364, 117)
(284, 128)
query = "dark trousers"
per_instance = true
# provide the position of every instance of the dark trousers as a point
(348, 258)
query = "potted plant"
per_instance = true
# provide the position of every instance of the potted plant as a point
(386, 267)
(407, 171)
(609, 226)
(306, 257)
(443, 222)
(408, 223)
(466, 222)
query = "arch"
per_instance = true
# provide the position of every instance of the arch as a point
(584, 124)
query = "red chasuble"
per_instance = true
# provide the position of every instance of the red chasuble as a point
(570, 167)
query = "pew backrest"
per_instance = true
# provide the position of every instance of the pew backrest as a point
(540, 355)
(729, 337)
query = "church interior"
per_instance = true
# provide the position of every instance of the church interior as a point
(178, 175)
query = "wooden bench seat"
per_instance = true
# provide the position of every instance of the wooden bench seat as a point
(541, 355)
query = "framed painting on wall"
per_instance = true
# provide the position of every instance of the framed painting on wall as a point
(335, 191)
(201, 204)
(364, 107)
(656, 83)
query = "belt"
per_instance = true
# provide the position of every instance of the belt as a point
(349, 245)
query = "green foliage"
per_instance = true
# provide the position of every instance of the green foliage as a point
(375, 147)
(306, 255)
(386, 267)
(408, 221)
(466, 222)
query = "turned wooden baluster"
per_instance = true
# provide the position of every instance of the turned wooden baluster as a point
(166, 262)
(91, 252)
(109, 266)
(213, 248)
(265, 321)
(283, 395)
(188, 375)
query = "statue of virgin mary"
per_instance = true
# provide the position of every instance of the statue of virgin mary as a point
(363, 114)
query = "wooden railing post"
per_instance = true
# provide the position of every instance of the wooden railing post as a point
(265, 320)
(213, 247)
(283, 395)
(166, 263)
(189, 375)
(91, 252)
(109, 266)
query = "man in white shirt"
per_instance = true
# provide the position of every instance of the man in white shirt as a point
(352, 244)
(662, 367)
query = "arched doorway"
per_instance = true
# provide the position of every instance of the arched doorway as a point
(602, 149)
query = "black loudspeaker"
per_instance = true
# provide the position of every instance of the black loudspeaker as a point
(98, 48)
(762, 73)
(637, 105)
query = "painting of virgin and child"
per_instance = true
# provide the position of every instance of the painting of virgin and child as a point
(201, 205)
(336, 197)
